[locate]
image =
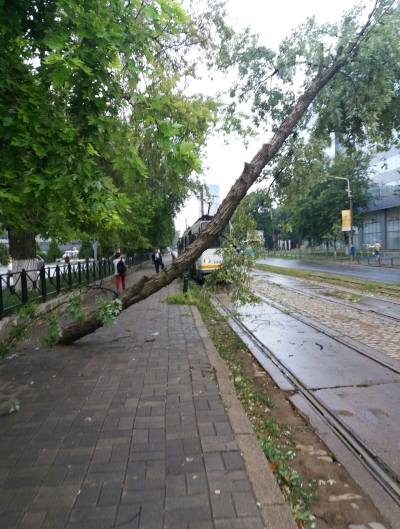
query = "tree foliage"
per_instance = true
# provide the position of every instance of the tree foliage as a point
(89, 92)
(256, 206)
(359, 104)
(4, 255)
(316, 215)
(239, 252)
(53, 251)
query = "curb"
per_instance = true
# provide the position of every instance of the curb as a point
(274, 511)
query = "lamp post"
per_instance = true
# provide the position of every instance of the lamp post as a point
(273, 232)
(351, 204)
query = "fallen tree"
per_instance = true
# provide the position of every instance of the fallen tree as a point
(326, 69)
(365, 104)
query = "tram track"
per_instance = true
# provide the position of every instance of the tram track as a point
(354, 283)
(376, 314)
(332, 335)
(384, 475)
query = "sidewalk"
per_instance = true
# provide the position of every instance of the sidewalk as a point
(126, 428)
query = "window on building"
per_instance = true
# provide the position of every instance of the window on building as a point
(393, 228)
(372, 227)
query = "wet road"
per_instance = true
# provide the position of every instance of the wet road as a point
(385, 275)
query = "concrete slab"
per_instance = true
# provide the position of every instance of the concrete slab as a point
(384, 503)
(317, 360)
(278, 377)
(373, 413)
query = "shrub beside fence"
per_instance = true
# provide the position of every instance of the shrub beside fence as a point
(36, 286)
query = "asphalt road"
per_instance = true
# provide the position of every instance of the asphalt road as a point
(385, 275)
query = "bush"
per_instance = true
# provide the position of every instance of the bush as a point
(53, 252)
(4, 255)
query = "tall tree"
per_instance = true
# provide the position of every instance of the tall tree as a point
(314, 215)
(73, 72)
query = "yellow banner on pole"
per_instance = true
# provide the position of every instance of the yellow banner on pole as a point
(346, 220)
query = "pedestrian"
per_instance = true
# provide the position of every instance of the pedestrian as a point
(376, 249)
(120, 271)
(158, 260)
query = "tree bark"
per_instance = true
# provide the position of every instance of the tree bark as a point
(23, 254)
(148, 286)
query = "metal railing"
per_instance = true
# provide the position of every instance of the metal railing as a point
(36, 286)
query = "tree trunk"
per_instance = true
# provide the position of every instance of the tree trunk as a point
(346, 244)
(148, 286)
(23, 254)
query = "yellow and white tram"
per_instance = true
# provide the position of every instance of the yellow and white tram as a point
(209, 260)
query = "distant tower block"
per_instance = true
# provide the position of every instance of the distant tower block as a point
(209, 202)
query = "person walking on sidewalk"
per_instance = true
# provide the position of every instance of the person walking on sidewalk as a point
(161, 259)
(157, 260)
(376, 249)
(120, 271)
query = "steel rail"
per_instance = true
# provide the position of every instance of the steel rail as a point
(381, 316)
(363, 453)
(317, 327)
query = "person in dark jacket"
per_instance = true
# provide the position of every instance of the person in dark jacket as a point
(157, 260)
(119, 275)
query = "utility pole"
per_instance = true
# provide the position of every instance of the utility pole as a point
(273, 231)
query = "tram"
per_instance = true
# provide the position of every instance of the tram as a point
(209, 260)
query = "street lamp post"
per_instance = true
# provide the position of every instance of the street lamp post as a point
(273, 231)
(351, 204)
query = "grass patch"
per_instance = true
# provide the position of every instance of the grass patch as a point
(353, 298)
(180, 299)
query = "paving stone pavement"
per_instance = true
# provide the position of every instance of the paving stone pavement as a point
(364, 328)
(124, 428)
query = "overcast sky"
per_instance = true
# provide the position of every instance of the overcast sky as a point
(273, 20)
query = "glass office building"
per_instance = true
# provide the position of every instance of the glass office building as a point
(382, 221)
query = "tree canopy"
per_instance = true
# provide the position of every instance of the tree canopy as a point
(359, 104)
(316, 216)
(97, 136)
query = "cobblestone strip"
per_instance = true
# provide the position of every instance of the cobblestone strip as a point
(363, 328)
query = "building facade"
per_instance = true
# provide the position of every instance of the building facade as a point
(382, 221)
